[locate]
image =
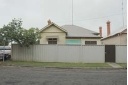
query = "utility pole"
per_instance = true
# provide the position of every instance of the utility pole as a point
(4, 49)
(122, 13)
(4, 39)
(72, 12)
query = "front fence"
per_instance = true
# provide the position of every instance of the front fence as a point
(66, 53)
(121, 54)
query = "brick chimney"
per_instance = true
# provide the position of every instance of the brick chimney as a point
(100, 31)
(49, 22)
(108, 28)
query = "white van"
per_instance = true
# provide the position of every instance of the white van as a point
(5, 51)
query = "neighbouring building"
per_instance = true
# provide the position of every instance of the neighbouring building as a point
(68, 34)
(117, 38)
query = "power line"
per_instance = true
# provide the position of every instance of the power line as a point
(93, 18)
(98, 17)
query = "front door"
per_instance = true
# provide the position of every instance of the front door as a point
(109, 53)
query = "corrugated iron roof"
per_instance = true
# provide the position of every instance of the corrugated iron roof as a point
(119, 31)
(76, 31)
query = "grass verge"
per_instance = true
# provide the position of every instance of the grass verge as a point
(53, 64)
(124, 65)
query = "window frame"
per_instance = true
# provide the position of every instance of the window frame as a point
(52, 40)
(90, 42)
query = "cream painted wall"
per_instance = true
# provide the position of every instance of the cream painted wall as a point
(53, 31)
(116, 40)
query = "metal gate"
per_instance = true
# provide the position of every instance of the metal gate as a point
(109, 53)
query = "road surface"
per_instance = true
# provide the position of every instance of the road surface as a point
(51, 76)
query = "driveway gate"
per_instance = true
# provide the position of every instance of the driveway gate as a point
(109, 53)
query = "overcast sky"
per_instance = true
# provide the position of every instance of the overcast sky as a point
(89, 14)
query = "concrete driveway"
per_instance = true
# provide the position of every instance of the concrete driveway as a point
(51, 76)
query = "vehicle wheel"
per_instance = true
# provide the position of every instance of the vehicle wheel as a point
(5, 57)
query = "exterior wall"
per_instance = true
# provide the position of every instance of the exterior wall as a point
(73, 41)
(53, 31)
(116, 40)
(81, 41)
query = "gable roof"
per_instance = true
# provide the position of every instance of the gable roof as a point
(120, 31)
(53, 24)
(76, 31)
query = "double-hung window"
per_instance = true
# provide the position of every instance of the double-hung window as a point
(90, 42)
(52, 40)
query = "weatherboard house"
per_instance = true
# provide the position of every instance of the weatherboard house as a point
(68, 34)
(117, 38)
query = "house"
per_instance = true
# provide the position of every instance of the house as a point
(68, 34)
(117, 38)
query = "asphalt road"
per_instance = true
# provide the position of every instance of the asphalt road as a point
(51, 76)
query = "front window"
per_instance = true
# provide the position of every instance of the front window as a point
(90, 42)
(52, 40)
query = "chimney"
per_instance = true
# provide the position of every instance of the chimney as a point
(49, 22)
(108, 28)
(100, 31)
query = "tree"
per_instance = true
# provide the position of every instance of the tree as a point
(15, 32)
(3, 41)
(30, 37)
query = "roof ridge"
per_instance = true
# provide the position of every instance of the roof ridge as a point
(121, 30)
(81, 27)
